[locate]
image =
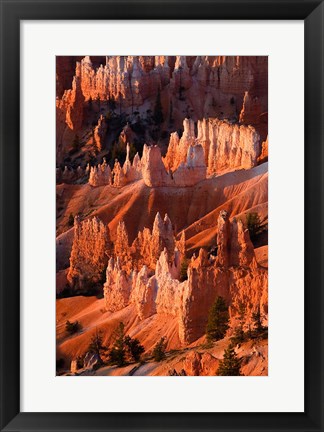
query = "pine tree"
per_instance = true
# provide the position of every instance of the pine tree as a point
(253, 224)
(96, 345)
(124, 348)
(184, 270)
(71, 220)
(117, 354)
(239, 334)
(230, 365)
(259, 330)
(72, 327)
(218, 318)
(158, 112)
(159, 350)
(134, 348)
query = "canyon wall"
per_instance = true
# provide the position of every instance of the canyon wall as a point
(201, 86)
(226, 146)
(218, 147)
(155, 288)
(137, 78)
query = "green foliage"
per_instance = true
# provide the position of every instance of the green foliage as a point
(238, 336)
(158, 112)
(72, 327)
(184, 269)
(71, 220)
(259, 331)
(218, 319)
(96, 345)
(119, 151)
(125, 349)
(230, 365)
(253, 224)
(117, 354)
(134, 348)
(159, 350)
(256, 317)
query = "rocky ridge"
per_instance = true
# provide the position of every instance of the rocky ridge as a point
(219, 147)
(204, 86)
(233, 274)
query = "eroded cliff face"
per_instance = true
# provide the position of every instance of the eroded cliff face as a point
(264, 151)
(69, 112)
(225, 146)
(99, 133)
(219, 147)
(90, 251)
(234, 274)
(130, 78)
(144, 271)
(144, 291)
(201, 86)
(100, 175)
(137, 78)
(148, 245)
(188, 173)
(117, 287)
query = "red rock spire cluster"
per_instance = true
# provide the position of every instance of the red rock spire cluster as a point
(146, 274)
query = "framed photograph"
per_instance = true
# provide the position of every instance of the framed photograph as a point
(162, 215)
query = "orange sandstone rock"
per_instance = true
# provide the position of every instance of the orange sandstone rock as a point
(89, 255)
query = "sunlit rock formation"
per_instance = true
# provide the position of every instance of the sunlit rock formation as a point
(178, 148)
(155, 288)
(144, 292)
(69, 112)
(89, 255)
(234, 275)
(100, 175)
(264, 151)
(117, 286)
(187, 174)
(225, 146)
(148, 245)
(99, 133)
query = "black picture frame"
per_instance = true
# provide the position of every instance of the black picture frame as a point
(12, 12)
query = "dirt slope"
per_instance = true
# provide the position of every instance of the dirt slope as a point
(194, 209)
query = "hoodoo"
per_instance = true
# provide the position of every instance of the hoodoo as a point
(162, 215)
